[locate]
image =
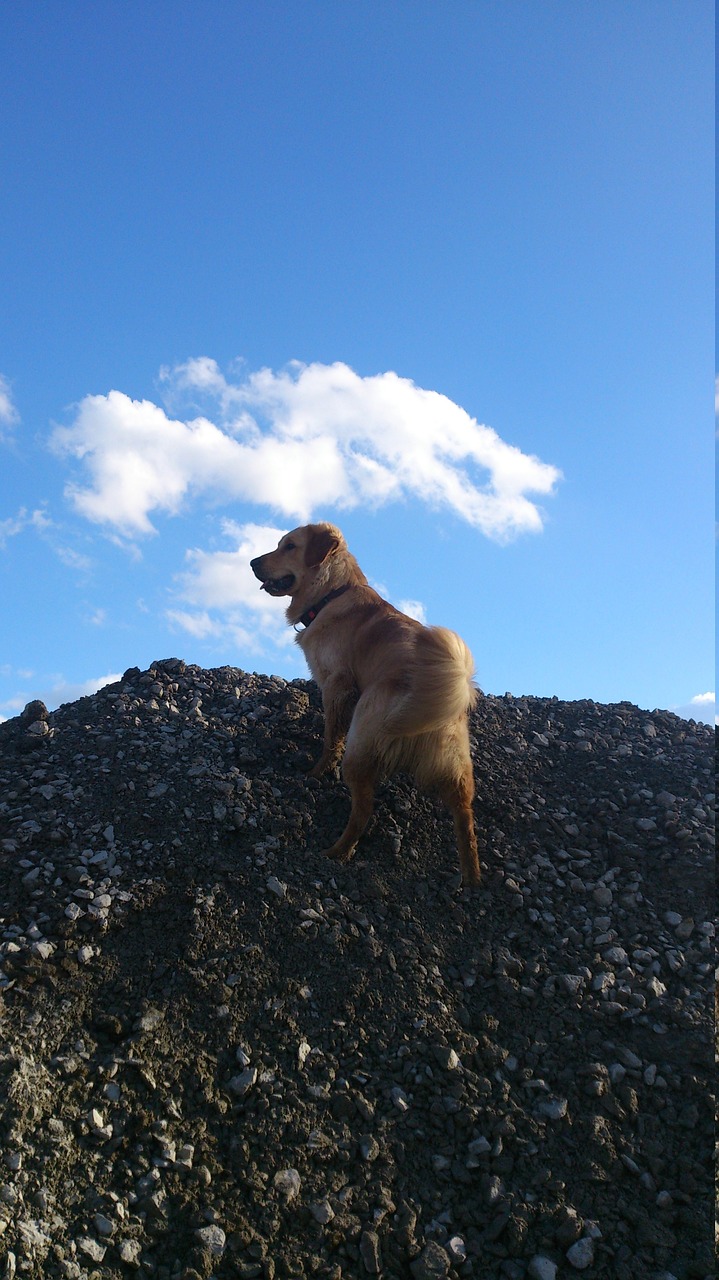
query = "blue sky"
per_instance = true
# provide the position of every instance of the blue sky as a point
(442, 274)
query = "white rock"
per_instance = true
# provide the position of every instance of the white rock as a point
(213, 1239)
(288, 1183)
(43, 950)
(92, 1248)
(457, 1250)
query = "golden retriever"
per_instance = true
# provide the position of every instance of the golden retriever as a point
(396, 694)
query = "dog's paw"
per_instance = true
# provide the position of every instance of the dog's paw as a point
(473, 880)
(338, 854)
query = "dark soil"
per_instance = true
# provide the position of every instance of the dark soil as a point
(223, 1055)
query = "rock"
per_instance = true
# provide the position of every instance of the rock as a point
(212, 1239)
(91, 1248)
(369, 1148)
(370, 1252)
(364, 1067)
(129, 1252)
(242, 1083)
(569, 1226)
(322, 1212)
(456, 1250)
(581, 1254)
(552, 1108)
(542, 1268)
(287, 1182)
(150, 1020)
(432, 1263)
(446, 1057)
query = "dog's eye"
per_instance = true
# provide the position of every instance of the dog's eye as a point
(289, 546)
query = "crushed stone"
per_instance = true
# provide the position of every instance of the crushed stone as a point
(223, 1055)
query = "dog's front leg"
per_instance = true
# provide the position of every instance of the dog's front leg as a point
(339, 699)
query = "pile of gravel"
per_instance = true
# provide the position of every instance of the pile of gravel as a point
(223, 1055)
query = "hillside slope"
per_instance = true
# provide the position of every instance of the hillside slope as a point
(224, 1055)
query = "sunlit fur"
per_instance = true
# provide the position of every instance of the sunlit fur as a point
(396, 694)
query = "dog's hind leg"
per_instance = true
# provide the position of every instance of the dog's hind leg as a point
(458, 794)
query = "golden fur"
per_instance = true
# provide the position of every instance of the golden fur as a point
(396, 694)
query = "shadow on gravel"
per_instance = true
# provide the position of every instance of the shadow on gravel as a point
(227, 1056)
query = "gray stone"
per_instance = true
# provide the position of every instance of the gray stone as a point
(581, 1254)
(212, 1239)
(370, 1252)
(542, 1268)
(432, 1264)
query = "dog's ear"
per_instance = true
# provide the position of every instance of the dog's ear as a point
(321, 544)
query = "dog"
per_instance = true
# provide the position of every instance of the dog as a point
(396, 694)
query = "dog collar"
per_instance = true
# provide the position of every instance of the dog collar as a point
(314, 609)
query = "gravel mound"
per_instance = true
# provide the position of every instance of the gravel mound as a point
(223, 1055)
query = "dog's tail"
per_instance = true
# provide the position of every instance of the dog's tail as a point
(442, 685)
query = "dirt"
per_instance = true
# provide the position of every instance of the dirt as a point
(224, 1055)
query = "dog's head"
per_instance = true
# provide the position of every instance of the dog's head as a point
(303, 557)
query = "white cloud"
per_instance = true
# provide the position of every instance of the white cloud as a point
(302, 441)
(73, 559)
(414, 609)
(225, 598)
(13, 525)
(701, 707)
(9, 416)
(54, 690)
(64, 691)
(200, 625)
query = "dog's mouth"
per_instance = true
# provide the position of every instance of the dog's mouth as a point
(278, 586)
